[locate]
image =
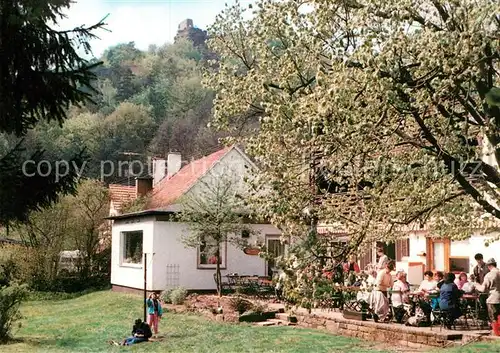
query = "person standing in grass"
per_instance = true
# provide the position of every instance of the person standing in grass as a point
(155, 312)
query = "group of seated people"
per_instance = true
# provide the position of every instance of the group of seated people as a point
(450, 290)
(463, 282)
(440, 292)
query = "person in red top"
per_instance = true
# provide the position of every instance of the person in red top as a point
(351, 265)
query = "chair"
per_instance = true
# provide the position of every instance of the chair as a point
(445, 318)
(468, 309)
(438, 318)
(225, 286)
(398, 313)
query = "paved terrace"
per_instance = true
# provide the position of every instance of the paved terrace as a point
(393, 333)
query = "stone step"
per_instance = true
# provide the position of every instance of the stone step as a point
(265, 323)
(286, 317)
(281, 322)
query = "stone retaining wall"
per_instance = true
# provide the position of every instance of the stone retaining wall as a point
(371, 331)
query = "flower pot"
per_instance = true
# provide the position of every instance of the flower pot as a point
(251, 251)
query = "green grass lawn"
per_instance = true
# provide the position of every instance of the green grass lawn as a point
(85, 324)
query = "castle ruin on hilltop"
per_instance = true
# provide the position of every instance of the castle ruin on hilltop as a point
(188, 31)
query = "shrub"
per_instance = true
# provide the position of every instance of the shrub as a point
(240, 304)
(246, 290)
(29, 266)
(259, 308)
(8, 271)
(10, 300)
(178, 295)
(165, 296)
(55, 296)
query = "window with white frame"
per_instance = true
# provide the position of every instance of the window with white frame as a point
(276, 248)
(132, 247)
(207, 252)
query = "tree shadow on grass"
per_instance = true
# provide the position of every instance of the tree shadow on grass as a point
(174, 335)
(41, 342)
(12, 341)
(28, 341)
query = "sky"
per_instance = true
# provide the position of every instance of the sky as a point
(144, 22)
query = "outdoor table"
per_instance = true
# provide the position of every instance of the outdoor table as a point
(266, 282)
(391, 291)
(415, 297)
(232, 279)
(252, 279)
(482, 313)
(471, 306)
(470, 296)
(352, 288)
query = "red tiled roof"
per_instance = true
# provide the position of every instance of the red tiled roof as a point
(121, 194)
(169, 190)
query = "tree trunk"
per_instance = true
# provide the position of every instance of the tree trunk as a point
(218, 277)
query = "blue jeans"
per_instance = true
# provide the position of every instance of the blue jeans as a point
(131, 340)
(435, 303)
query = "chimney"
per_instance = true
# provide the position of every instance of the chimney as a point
(159, 169)
(174, 163)
(143, 185)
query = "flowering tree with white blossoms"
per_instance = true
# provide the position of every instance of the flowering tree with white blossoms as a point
(368, 115)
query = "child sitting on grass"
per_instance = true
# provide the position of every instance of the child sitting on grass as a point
(141, 332)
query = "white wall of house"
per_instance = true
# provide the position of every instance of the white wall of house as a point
(464, 248)
(176, 265)
(131, 275)
(232, 167)
(113, 211)
(170, 263)
(418, 246)
(477, 245)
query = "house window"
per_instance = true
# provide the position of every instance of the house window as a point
(402, 249)
(459, 264)
(132, 247)
(366, 259)
(207, 255)
(276, 249)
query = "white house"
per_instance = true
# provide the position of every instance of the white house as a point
(447, 255)
(420, 252)
(426, 252)
(154, 233)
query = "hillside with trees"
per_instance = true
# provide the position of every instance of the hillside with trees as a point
(127, 105)
(147, 103)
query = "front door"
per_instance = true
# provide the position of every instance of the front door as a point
(276, 249)
(438, 255)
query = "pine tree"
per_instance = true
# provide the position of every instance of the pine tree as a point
(41, 75)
